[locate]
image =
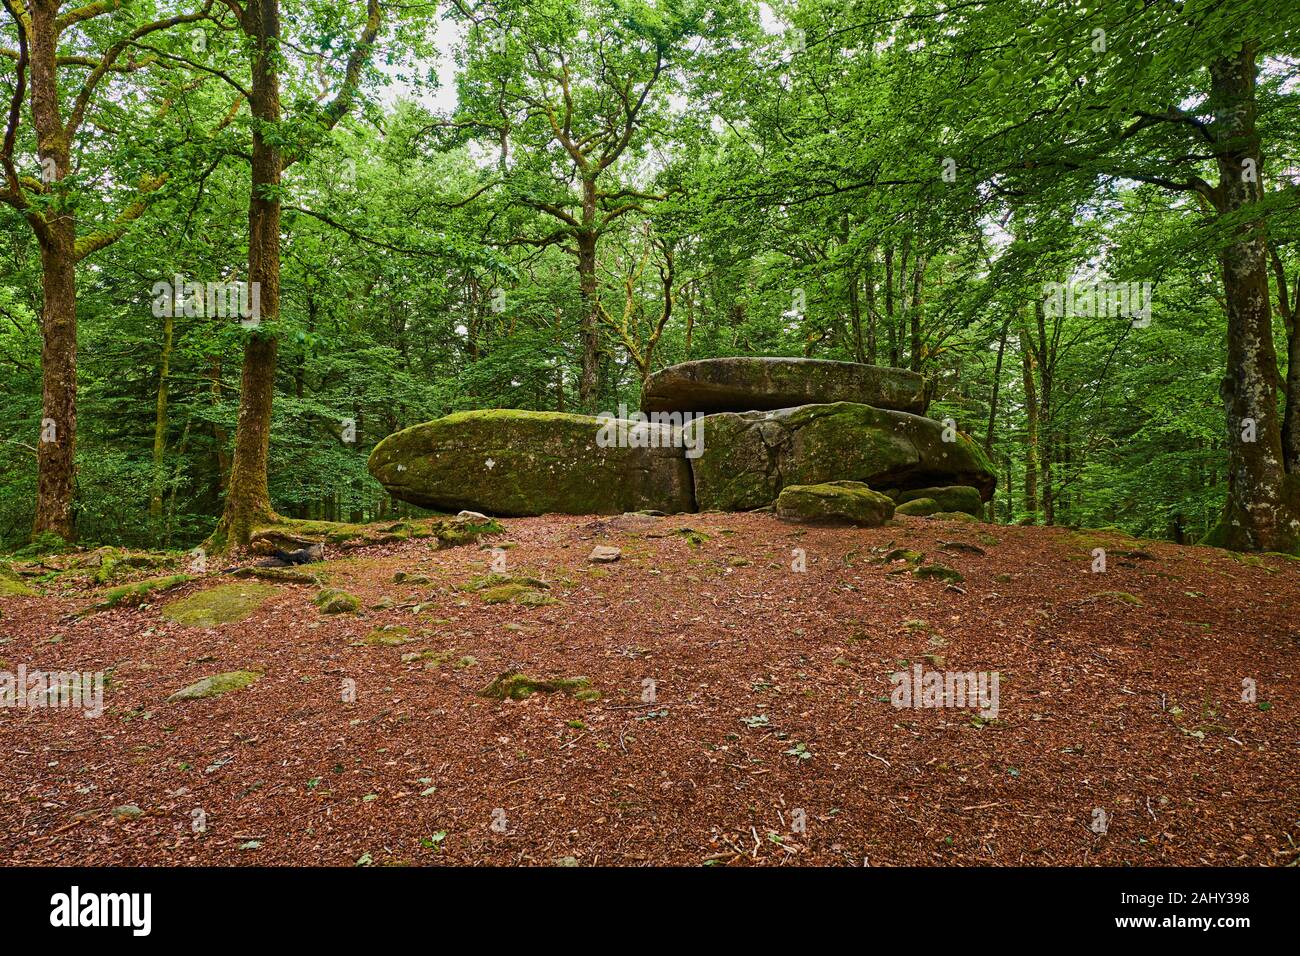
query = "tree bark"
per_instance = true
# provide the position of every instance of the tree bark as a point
(248, 497)
(871, 305)
(55, 457)
(1046, 361)
(589, 383)
(160, 421)
(1031, 429)
(56, 452)
(1263, 507)
(1291, 416)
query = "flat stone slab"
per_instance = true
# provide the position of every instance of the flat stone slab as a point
(517, 463)
(745, 384)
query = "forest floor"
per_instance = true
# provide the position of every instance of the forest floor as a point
(744, 717)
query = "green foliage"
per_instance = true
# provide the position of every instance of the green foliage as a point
(783, 191)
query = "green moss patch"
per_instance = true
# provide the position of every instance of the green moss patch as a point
(216, 685)
(515, 594)
(11, 585)
(490, 582)
(513, 685)
(223, 604)
(390, 635)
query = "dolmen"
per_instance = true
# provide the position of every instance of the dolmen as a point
(850, 441)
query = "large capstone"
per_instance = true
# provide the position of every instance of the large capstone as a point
(760, 384)
(516, 463)
(747, 458)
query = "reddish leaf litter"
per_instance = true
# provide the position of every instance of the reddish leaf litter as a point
(745, 719)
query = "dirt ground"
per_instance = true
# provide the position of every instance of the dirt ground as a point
(745, 715)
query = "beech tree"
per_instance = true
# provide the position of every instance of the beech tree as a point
(59, 84)
(570, 94)
(248, 499)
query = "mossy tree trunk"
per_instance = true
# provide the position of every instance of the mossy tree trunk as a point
(1263, 507)
(248, 498)
(49, 208)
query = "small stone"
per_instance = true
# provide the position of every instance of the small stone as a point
(215, 685)
(331, 601)
(604, 554)
(127, 812)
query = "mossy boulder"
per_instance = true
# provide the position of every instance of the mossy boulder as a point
(747, 458)
(511, 462)
(283, 575)
(134, 593)
(512, 685)
(333, 601)
(223, 604)
(834, 502)
(744, 384)
(918, 507)
(938, 572)
(947, 497)
(953, 516)
(216, 684)
(497, 580)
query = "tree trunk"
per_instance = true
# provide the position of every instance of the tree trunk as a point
(1291, 416)
(871, 305)
(855, 316)
(1046, 433)
(997, 383)
(914, 313)
(1263, 507)
(589, 384)
(890, 326)
(55, 461)
(160, 421)
(55, 457)
(1031, 429)
(248, 498)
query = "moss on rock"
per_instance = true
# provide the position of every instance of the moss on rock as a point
(745, 383)
(130, 593)
(512, 462)
(939, 572)
(513, 685)
(748, 458)
(223, 604)
(333, 601)
(216, 684)
(834, 502)
(948, 497)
